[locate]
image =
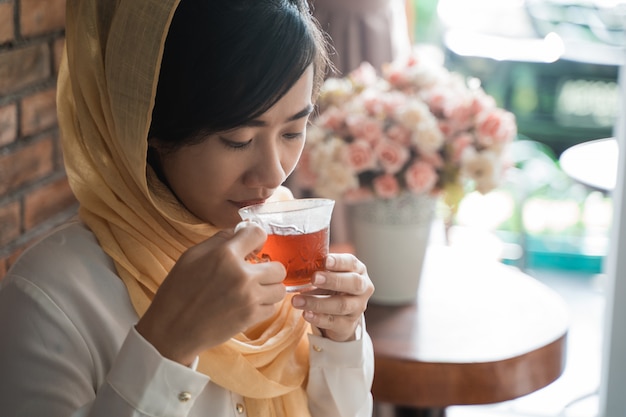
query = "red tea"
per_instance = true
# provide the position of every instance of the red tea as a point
(301, 254)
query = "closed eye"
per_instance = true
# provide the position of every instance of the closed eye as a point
(295, 135)
(231, 144)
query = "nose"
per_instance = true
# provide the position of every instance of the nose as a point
(267, 170)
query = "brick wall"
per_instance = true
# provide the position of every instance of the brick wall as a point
(34, 194)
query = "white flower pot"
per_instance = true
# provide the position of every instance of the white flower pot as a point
(391, 237)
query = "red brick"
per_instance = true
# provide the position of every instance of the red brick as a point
(23, 67)
(26, 164)
(9, 222)
(8, 124)
(47, 201)
(58, 151)
(39, 112)
(57, 50)
(41, 16)
(7, 28)
(3, 268)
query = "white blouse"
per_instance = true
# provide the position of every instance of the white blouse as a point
(69, 348)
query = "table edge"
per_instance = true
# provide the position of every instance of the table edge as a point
(398, 381)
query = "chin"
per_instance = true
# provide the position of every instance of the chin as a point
(228, 222)
(224, 217)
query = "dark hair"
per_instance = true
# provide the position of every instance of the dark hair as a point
(226, 62)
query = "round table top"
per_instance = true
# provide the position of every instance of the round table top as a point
(593, 163)
(480, 332)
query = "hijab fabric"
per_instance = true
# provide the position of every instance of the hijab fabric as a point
(106, 89)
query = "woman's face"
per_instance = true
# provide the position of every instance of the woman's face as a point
(229, 170)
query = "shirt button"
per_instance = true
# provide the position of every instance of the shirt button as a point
(317, 348)
(240, 408)
(184, 396)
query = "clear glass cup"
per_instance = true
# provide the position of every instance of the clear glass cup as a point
(298, 235)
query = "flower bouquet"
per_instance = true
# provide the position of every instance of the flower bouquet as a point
(416, 128)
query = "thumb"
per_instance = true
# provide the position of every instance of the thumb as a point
(249, 238)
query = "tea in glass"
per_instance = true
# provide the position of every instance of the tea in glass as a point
(297, 236)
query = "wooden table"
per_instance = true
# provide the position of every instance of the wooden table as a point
(480, 332)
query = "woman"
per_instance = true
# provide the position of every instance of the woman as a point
(173, 117)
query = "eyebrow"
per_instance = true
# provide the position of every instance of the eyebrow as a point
(299, 115)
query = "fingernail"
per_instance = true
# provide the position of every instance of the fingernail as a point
(319, 279)
(297, 301)
(330, 261)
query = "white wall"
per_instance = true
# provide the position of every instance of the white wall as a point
(613, 382)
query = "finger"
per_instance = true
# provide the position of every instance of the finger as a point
(317, 291)
(344, 262)
(337, 305)
(270, 273)
(274, 293)
(339, 328)
(342, 282)
(248, 238)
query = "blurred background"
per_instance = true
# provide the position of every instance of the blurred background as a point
(554, 64)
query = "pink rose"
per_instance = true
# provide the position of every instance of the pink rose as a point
(373, 102)
(399, 134)
(412, 61)
(482, 102)
(333, 118)
(364, 75)
(391, 155)
(433, 159)
(436, 100)
(459, 144)
(363, 127)
(393, 101)
(459, 116)
(445, 127)
(421, 177)
(396, 76)
(495, 127)
(386, 186)
(360, 156)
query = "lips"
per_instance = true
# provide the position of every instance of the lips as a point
(241, 204)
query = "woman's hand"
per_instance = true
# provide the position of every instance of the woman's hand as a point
(337, 315)
(211, 294)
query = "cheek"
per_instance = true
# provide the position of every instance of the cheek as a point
(194, 179)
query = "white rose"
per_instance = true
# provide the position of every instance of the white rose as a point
(428, 138)
(482, 167)
(335, 179)
(335, 91)
(413, 113)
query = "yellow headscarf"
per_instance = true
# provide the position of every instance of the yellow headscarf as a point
(106, 89)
